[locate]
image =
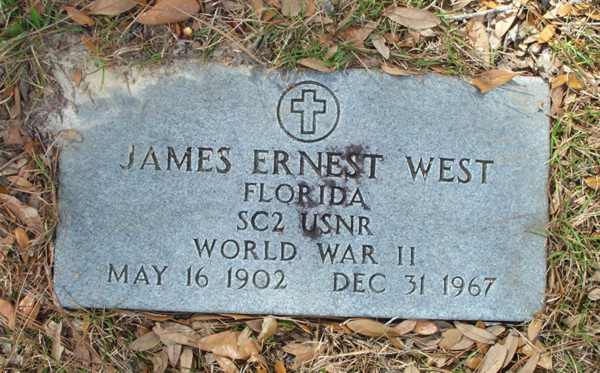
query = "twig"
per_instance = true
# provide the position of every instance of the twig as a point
(498, 10)
(10, 161)
(231, 39)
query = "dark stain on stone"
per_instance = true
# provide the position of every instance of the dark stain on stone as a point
(313, 234)
(350, 153)
(306, 203)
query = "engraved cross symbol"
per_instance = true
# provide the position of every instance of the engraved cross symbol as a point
(308, 107)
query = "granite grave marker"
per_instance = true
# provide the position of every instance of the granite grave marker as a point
(204, 188)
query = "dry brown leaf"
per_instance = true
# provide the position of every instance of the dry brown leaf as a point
(7, 311)
(173, 352)
(593, 182)
(475, 333)
(478, 36)
(391, 37)
(315, 64)
(81, 352)
(464, 344)
(397, 342)
(503, 24)
(409, 41)
(512, 343)
(111, 7)
(557, 96)
(54, 330)
(269, 328)
(255, 325)
(534, 328)
(395, 70)
(175, 333)
(492, 79)
(413, 18)
(494, 359)
(257, 6)
(21, 238)
(226, 364)
(12, 135)
(526, 347)
(303, 351)
(496, 330)
(565, 10)
(248, 346)
(279, 367)
(530, 365)
(545, 360)
(369, 328)
(310, 7)
(28, 307)
(21, 182)
(460, 4)
(16, 111)
(223, 344)
(450, 338)
(291, 8)
(28, 215)
(411, 369)
(547, 34)
(379, 44)
(594, 294)
(6, 244)
(574, 83)
(357, 35)
(169, 11)
(268, 14)
(593, 14)
(78, 16)
(160, 361)
(559, 80)
(482, 347)
(185, 360)
(439, 361)
(404, 327)
(426, 327)
(473, 362)
(91, 44)
(145, 342)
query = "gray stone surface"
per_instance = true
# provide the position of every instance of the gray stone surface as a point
(471, 232)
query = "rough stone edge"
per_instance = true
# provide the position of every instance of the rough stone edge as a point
(136, 78)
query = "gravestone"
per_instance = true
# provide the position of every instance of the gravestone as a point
(204, 188)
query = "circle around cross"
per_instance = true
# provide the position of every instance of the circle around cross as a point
(308, 111)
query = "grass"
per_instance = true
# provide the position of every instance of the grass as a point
(100, 339)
